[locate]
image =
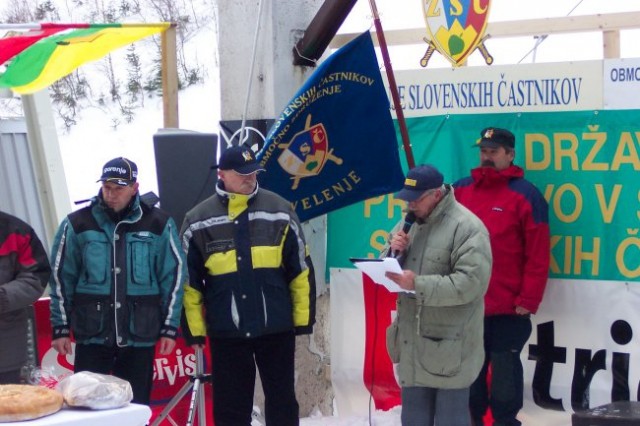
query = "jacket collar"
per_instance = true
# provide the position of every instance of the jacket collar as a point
(133, 214)
(223, 194)
(491, 176)
(441, 207)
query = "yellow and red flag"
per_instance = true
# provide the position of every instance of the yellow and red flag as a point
(48, 59)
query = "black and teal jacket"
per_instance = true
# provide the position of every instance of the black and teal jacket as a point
(249, 267)
(117, 282)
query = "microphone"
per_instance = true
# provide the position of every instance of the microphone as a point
(409, 218)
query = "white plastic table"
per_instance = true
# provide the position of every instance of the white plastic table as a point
(130, 415)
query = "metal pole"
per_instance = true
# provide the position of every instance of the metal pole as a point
(392, 85)
(243, 133)
(323, 27)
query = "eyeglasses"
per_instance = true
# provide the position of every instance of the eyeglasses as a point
(425, 195)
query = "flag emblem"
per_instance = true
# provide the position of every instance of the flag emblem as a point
(306, 153)
(456, 27)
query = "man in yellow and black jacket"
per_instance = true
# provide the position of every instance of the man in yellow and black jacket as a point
(249, 268)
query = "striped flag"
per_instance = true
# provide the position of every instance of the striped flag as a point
(51, 58)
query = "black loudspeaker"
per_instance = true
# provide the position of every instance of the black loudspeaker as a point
(185, 168)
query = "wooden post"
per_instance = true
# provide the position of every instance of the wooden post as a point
(393, 87)
(611, 44)
(170, 78)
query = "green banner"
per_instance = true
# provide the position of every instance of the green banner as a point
(586, 163)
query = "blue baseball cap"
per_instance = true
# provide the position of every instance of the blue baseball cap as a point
(419, 180)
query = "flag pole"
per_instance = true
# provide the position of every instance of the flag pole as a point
(392, 85)
(73, 25)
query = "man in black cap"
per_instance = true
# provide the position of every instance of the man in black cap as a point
(437, 335)
(249, 268)
(117, 283)
(516, 215)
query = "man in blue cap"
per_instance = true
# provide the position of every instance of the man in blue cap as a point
(436, 338)
(117, 282)
(249, 268)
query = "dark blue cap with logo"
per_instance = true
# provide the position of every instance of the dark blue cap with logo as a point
(419, 180)
(119, 170)
(240, 159)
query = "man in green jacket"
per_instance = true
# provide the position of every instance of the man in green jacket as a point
(436, 337)
(117, 282)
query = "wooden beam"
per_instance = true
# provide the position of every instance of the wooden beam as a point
(527, 27)
(611, 44)
(170, 78)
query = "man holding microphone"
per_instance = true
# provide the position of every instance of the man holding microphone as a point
(437, 335)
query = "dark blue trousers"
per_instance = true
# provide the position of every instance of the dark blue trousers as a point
(134, 365)
(10, 377)
(504, 338)
(234, 362)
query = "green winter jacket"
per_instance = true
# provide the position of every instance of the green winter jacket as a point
(437, 336)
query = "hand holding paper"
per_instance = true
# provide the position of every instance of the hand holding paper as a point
(376, 270)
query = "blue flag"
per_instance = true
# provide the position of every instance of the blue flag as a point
(335, 143)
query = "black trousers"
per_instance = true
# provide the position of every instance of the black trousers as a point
(234, 364)
(504, 339)
(134, 365)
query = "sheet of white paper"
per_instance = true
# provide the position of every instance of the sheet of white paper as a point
(376, 268)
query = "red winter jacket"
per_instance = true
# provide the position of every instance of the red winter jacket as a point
(517, 217)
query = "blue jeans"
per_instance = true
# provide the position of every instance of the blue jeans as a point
(504, 338)
(423, 406)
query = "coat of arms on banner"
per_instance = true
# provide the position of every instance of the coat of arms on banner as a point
(306, 153)
(456, 28)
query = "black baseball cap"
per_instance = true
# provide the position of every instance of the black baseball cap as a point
(120, 170)
(240, 159)
(494, 137)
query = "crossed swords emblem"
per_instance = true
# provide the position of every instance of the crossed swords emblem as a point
(480, 46)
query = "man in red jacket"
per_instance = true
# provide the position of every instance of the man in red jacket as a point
(516, 215)
(24, 273)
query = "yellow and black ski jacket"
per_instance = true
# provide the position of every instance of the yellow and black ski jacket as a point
(249, 268)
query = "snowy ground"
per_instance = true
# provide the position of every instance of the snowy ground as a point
(378, 418)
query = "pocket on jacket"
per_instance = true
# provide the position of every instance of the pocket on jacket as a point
(89, 318)
(437, 261)
(96, 255)
(393, 346)
(146, 319)
(278, 303)
(441, 352)
(141, 260)
(266, 256)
